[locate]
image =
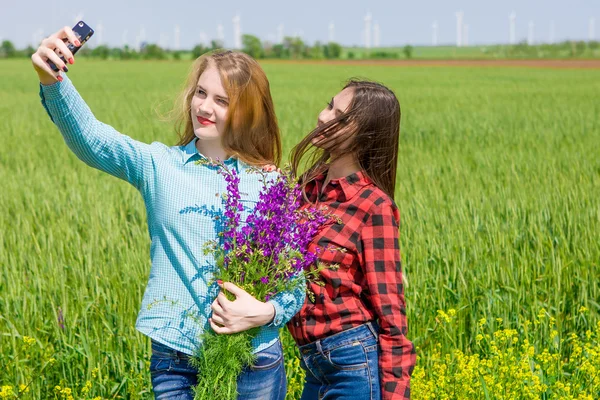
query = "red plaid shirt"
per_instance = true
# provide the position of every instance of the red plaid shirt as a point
(367, 285)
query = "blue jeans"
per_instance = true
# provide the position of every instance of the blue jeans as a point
(173, 377)
(343, 366)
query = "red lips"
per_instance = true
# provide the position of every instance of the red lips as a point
(204, 121)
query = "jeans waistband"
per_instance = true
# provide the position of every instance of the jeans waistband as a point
(364, 331)
(162, 350)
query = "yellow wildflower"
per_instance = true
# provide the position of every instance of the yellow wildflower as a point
(6, 391)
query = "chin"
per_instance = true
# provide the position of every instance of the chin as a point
(204, 134)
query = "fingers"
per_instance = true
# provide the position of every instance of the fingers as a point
(216, 307)
(233, 289)
(50, 55)
(71, 36)
(219, 329)
(218, 319)
(42, 65)
(223, 301)
(271, 168)
(64, 50)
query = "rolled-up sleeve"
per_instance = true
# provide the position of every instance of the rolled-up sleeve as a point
(288, 303)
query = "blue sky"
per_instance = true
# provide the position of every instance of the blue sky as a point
(400, 22)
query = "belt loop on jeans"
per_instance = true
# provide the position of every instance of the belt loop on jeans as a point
(319, 348)
(372, 329)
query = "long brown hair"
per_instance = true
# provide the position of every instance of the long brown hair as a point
(251, 131)
(373, 122)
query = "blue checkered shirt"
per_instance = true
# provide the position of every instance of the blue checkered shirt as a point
(183, 214)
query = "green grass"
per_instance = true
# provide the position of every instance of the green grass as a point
(498, 186)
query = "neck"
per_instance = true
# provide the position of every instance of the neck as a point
(342, 166)
(212, 149)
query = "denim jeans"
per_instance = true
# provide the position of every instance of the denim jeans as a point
(173, 376)
(343, 366)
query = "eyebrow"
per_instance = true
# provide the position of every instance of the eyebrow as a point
(336, 110)
(218, 96)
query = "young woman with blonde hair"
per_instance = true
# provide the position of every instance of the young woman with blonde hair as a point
(226, 113)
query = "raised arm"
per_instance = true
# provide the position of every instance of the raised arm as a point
(97, 144)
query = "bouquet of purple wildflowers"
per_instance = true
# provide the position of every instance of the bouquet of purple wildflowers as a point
(265, 256)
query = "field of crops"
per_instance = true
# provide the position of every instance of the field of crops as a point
(499, 191)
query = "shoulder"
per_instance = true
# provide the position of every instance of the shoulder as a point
(161, 149)
(378, 204)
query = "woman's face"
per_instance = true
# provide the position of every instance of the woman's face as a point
(338, 105)
(209, 105)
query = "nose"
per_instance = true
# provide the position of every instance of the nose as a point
(205, 108)
(324, 117)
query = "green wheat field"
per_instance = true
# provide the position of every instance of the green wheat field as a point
(498, 186)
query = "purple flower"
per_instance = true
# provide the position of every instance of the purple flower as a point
(60, 319)
(270, 249)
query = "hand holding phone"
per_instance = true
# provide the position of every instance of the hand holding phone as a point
(83, 32)
(57, 50)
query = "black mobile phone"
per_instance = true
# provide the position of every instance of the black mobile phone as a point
(83, 33)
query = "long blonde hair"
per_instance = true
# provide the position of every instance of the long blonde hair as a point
(251, 131)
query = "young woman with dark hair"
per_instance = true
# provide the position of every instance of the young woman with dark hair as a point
(352, 330)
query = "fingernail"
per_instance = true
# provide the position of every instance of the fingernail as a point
(71, 61)
(65, 69)
(60, 78)
(77, 43)
(220, 282)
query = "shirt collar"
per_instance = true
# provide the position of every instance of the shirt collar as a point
(343, 189)
(190, 150)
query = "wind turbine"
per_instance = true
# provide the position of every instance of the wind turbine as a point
(237, 32)
(459, 27)
(368, 19)
(530, 33)
(434, 34)
(99, 33)
(331, 32)
(141, 38)
(551, 36)
(376, 33)
(280, 33)
(592, 29)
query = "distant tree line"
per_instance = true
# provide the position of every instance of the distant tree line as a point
(294, 48)
(562, 49)
(290, 48)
